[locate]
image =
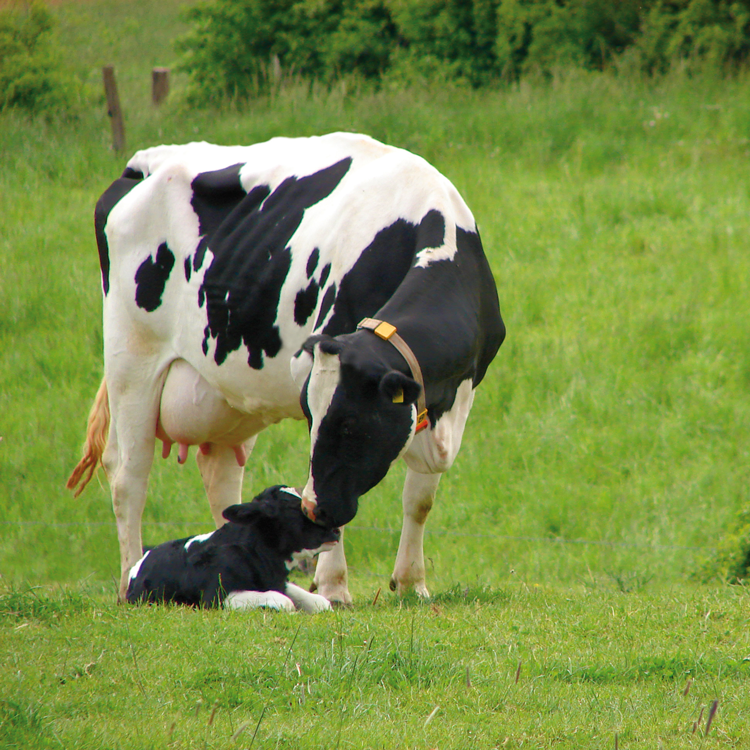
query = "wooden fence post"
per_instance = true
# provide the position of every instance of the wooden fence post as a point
(159, 85)
(113, 108)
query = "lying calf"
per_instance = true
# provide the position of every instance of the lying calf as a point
(243, 564)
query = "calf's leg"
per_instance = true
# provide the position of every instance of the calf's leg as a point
(307, 602)
(257, 599)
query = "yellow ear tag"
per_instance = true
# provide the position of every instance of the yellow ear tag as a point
(398, 398)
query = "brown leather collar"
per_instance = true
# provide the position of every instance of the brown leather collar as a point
(389, 333)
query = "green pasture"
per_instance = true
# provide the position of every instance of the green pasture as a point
(605, 459)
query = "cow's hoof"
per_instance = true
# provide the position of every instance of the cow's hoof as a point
(339, 598)
(342, 605)
(418, 588)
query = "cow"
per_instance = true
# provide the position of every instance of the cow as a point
(331, 278)
(244, 564)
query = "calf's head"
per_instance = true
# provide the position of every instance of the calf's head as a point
(362, 418)
(276, 516)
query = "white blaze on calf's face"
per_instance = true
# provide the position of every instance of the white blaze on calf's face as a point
(324, 379)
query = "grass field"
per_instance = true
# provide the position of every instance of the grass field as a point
(604, 460)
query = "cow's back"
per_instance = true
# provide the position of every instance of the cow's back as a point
(229, 257)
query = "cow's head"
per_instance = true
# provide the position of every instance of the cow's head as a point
(362, 418)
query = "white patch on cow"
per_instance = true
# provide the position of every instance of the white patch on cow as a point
(324, 379)
(134, 570)
(434, 450)
(258, 599)
(291, 491)
(198, 539)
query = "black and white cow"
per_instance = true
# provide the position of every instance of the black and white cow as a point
(243, 564)
(223, 265)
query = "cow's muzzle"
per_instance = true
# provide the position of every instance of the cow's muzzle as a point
(308, 508)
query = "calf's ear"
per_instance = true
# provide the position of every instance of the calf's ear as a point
(399, 388)
(245, 513)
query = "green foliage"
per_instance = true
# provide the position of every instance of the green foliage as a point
(715, 32)
(544, 34)
(229, 52)
(31, 75)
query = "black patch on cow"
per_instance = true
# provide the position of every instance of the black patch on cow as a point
(431, 230)
(312, 262)
(188, 270)
(325, 307)
(151, 278)
(111, 196)
(449, 314)
(215, 194)
(304, 303)
(380, 269)
(200, 254)
(324, 275)
(251, 260)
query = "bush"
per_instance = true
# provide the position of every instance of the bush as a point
(716, 32)
(230, 50)
(31, 75)
(229, 53)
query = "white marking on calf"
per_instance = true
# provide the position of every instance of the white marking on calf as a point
(307, 602)
(257, 599)
(308, 554)
(198, 539)
(136, 568)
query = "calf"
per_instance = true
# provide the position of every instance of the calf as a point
(241, 565)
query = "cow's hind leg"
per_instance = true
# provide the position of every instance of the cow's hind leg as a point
(418, 496)
(222, 476)
(127, 462)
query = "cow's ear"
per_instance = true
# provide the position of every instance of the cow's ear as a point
(330, 345)
(399, 388)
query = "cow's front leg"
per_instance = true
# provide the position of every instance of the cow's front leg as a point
(418, 496)
(331, 579)
(222, 476)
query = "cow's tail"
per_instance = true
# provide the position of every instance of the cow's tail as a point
(96, 441)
